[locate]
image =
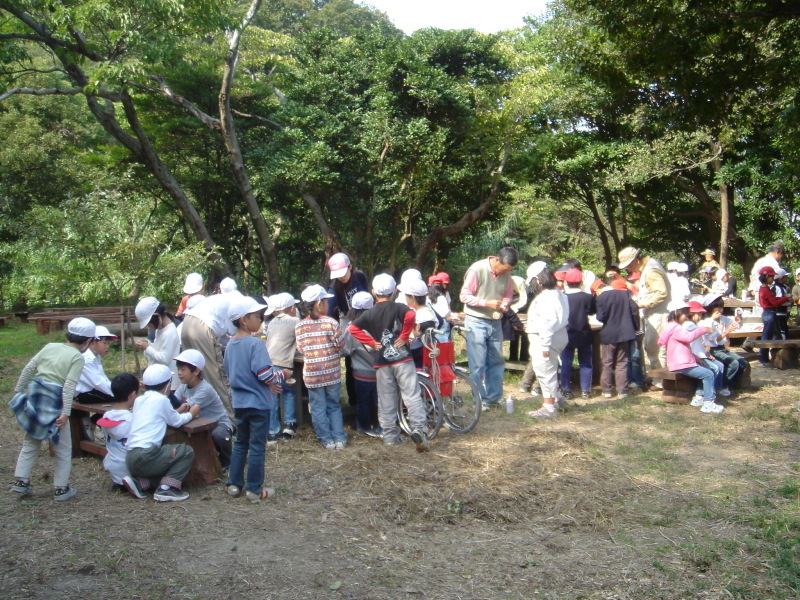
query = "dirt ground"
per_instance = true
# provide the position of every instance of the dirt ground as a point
(616, 499)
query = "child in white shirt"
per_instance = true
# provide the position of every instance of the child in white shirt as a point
(699, 349)
(116, 424)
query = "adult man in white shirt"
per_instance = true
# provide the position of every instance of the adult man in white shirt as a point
(203, 327)
(771, 259)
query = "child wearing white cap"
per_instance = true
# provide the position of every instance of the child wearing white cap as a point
(363, 367)
(320, 339)
(42, 403)
(166, 345)
(282, 348)
(193, 286)
(194, 390)
(253, 381)
(386, 327)
(94, 386)
(147, 459)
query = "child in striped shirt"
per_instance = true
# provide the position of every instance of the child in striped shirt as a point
(319, 339)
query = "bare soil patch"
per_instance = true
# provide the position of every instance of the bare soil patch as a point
(622, 499)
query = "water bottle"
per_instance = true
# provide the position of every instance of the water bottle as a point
(510, 405)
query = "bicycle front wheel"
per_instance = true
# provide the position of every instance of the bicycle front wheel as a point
(462, 408)
(434, 413)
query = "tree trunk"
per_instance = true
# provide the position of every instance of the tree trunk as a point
(588, 198)
(725, 203)
(231, 140)
(329, 237)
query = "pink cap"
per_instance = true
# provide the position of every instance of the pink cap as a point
(338, 265)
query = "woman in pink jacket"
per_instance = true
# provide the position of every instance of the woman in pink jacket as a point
(680, 357)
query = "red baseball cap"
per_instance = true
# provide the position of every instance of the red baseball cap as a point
(573, 276)
(766, 271)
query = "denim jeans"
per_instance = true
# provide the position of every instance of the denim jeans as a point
(326, 413)
(485, 356)
(768, 317)
(735, 365)
(585, 363)
(719, 373)
(250, 445)
(367, 403)
(635, 362)
(287, 410)
(706, 376)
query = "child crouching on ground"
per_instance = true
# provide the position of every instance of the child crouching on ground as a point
(253, 380)
(679, 355)
(387, 327)
(196, 391)
(699, 349)
(116, 424)
(42, 403)
(363, 365)
(319, 339)
(146, 458)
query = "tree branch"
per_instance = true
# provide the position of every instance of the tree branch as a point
(257, 117)
(41, 92)
(164, 90)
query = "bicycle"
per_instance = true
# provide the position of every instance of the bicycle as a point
(460, 397)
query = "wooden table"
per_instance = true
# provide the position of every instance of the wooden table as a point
(196, 433)
(737, 303)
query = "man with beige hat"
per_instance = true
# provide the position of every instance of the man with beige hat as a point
(654, 295)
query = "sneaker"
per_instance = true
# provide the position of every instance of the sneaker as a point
(289, 430)
(536, 390)
(340, 445)
(258, 498)
(607, 395)
(543, 413)
(421, 440)
(586, 395)
(22, 487)
(724, 392)
(170, 495)
(567, 395)
(634, 386)
(375, 432)
(401, 440)
(712, 407)
(485, 407)
(561, 401)
(330, 445)
(696, 401)
(524, 389)
(133, 487)
(234, 491)
(64, 493)
(623, 395)
(272, 439)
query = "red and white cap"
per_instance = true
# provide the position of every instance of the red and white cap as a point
(338, 265)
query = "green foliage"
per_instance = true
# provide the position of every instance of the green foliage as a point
(100, 247)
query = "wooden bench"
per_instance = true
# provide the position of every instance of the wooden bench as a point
(55, 318)
(784, 352)
(196, 433)
(678, 388)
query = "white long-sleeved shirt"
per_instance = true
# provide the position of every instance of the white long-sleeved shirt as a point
(93, 377)
(164, 349)
(548, 314)
(213, 311)
(152, 413)
(116, 440)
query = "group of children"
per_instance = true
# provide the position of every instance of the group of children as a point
(175, 391)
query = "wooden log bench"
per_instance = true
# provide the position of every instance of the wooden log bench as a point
(196, 433)
(54, 319)
(678, 388)
(784, 353)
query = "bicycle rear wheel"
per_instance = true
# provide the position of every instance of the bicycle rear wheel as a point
(462, 408)
(433, 409)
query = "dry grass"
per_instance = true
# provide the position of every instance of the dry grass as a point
(624, 499)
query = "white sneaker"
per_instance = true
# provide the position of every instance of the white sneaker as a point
(696, 401)
(339, 445)
(606, 395)
(485, 407)
(330, 445)
(724, 392)
(712, 407)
